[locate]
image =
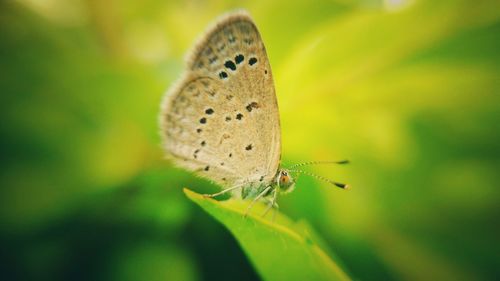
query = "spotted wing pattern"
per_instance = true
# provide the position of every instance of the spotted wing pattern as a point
(221, 119)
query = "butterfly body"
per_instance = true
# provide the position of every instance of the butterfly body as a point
(221, 119)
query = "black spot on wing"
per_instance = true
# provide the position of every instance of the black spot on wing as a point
(229, 64)
(223, 75)
(251, 106)
(239, 58)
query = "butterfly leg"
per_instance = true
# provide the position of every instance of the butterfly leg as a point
(275, 210)
(222, 192)
(272, 203)
(256, 199)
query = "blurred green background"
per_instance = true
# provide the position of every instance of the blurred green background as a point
(407, 90)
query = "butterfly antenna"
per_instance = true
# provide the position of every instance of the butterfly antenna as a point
(337, 184)
(318, 163)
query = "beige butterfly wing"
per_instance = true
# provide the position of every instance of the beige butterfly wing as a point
(221, 119)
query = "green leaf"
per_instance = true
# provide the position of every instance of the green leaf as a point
(279, 250)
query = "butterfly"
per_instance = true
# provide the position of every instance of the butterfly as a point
(221, 119)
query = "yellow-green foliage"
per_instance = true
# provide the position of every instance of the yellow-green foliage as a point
(408, 90)
(279, 249)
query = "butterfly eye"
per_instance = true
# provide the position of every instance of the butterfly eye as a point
(284, 179)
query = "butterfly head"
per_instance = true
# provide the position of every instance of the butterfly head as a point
(285, 181)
